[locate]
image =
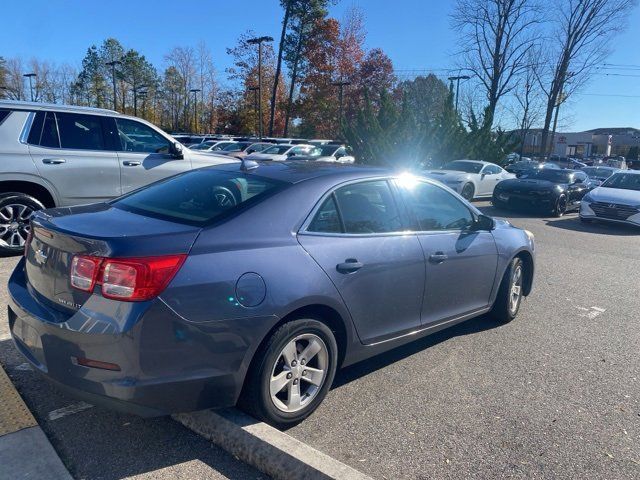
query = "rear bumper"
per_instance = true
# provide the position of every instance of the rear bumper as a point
(167, 364)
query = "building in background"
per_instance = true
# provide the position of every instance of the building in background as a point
(599, 141)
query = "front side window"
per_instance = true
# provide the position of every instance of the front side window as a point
(80, 132)
(199, 196)
(137, 137)
(491, 170)
(434, 208)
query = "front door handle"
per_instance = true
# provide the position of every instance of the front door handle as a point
(438, 257)
(350, 265)
(53, 161)
(130, 163)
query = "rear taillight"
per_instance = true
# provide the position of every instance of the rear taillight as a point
(84, 272)
(131, 279)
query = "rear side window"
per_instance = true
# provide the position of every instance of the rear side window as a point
(4, 114)
(199, 197)
(81, 132)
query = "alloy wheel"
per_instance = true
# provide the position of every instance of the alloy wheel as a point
(515, 289)
(467, 192)
(14, 225)
(299, 373)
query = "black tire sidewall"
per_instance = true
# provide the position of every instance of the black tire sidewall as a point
(20, 199)
(473, 191)
(556, 209)
(281, 337)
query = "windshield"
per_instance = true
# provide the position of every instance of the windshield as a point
(278, 149)
(463, 166)
(624, 181)
(236, 147)
(203, 146)
(327, 150)
(199, 196)
(550, 174)
(598, 172)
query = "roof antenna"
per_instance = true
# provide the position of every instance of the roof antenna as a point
(247, 165)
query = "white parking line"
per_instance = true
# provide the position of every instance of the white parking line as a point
(591, 313)
(68, 410)
(24, 367)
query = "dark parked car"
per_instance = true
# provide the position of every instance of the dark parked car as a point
(194, 293)
(553, 191)
(524, 166)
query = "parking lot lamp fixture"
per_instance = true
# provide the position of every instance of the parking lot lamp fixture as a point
(340, 84)
(195, 107)
(259, 41)
(457, 80)
(30, 76)
(113, 64)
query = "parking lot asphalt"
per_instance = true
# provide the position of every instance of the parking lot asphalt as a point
(554, 394)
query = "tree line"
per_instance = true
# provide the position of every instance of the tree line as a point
(522, 58)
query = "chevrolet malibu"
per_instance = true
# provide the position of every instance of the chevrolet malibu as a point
(252, 284)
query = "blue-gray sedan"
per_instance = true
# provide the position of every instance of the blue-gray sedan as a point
(252, 284)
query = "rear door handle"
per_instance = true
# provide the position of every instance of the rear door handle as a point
(53, 161)
(438, 257)
(350, 265)
(130, 163)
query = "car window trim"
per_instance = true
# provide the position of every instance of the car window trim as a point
(26, 128)
(303, 230)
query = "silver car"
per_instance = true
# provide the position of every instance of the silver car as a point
(54, 155)
(616, 200)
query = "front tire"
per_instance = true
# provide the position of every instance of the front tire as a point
(291, 374)
(15, 212)
(468, 191)
(560, 208)
(509, 299)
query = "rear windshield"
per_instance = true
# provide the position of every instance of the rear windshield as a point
(199, 197)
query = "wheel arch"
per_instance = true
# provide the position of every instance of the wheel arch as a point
(30, 187)
(527, 260)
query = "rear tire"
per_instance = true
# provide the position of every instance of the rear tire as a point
(15, 212)
(509, 298)
(291, 374)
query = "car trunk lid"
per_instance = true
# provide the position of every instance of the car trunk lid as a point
(94, 230)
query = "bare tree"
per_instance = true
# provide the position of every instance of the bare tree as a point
(580, 39)
(496, 37)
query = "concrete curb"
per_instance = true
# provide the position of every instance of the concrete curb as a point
(269, 450)
(25, 451)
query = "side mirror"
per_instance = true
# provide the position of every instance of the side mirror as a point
(176, 150)
(483, 222)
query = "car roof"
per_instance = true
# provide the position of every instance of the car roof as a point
(32, 106)
(481, 162)
(293, 171)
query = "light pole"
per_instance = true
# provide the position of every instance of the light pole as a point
(135, 98)
(457, 80)
(195, 107)
(559, 101)
(259, 41)
(255, 106)
(340, 84)
(113, 64)
(30, 76)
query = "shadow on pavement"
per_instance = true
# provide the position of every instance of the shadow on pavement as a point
(353, 372)
(574, 224)
(101, 444)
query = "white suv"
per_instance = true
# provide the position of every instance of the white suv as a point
(53, 155)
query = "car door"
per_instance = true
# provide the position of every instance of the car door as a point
(143, 155)
(489, 178)
(73, 152)
(460, 262)
(357, 237)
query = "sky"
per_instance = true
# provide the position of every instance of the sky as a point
(416, 34)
